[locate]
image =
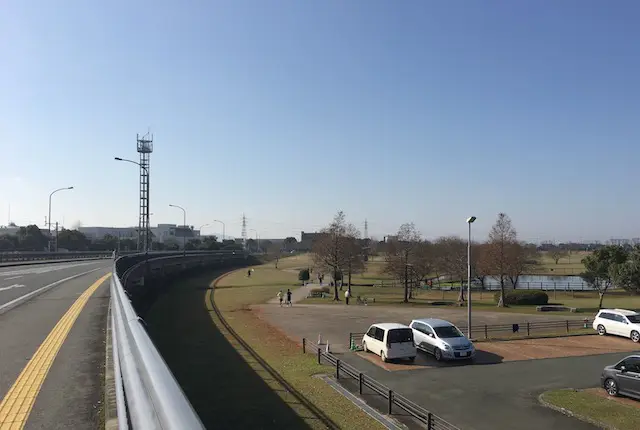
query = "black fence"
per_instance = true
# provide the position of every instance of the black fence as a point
(527, 328)
(394, 400)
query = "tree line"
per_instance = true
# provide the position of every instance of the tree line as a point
(412, 259)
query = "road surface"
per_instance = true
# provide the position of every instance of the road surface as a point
(52, 346)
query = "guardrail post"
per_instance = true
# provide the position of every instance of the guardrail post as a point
(528, 328)
(390, 401)
(338, 369)
(567, 326)
(486, 332)
(304, 345)
(350, 339)
(429, 421)
(319, 352)
(360, 381)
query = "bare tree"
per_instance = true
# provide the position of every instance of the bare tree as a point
(556, 254)
(400, 252)
(355, 258)
(480, 263)
(331, 248)
(502, 239)
(452, 259)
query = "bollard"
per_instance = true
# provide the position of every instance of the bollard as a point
(328, 350)
(390, 401)
(319, 339)
(338, 369)
(360, 381)
(319, 353)
(304, 345)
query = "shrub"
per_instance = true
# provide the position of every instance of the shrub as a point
(303, 275)
(523, 297)
(321, 290)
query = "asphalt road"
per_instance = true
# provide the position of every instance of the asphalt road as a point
(70, 396)
(497, 396)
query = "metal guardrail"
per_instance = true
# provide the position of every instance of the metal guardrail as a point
(527, 328)
(9, 257)
(431, 420)
(147, 394)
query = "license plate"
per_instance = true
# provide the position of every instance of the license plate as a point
(464, 354)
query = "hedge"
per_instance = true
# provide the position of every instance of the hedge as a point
(321, 290)
(523, 297)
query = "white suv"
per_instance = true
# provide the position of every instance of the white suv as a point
(620, 322)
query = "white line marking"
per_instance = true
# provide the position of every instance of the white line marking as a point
(12, 286)
(13, 277)
(15, 302)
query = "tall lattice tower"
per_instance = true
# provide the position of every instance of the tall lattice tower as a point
(366, 229)
(244, 231)
(145, 148)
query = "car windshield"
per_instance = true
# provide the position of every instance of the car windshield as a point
(400, 335)
(448, 331)
(634, 319)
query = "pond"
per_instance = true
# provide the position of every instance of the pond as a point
(543, 282)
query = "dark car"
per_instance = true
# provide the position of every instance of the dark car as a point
(623, 378)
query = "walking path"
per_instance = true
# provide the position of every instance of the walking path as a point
(297, 295)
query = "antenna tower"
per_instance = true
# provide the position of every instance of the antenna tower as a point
(366, 229)
(244, 231)
(145, 148)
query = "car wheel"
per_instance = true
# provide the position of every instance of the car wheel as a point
(437, 354)
(611, 386)
(601, 330)
(635, 336)
(383, 357)
(412, 359)
(364, 347)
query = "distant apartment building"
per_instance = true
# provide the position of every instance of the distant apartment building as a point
(97, 233)
(170, 232)
(619, 242)
(307, 240)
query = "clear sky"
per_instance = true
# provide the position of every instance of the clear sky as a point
(423, 111)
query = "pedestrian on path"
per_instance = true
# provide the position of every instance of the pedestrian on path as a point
(346, 296)
(289, 297)
(280, 297)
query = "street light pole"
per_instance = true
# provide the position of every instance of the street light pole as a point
(470, 220)
(223, 228)
(49, 219)
(184, 221)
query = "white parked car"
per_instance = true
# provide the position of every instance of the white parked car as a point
(620, 322)
(390, 341)
(442, 339)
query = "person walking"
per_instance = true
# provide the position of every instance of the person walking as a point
(280, 297)
(289, 297)
(346, 297)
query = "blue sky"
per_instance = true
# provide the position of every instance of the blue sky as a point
(423, 111)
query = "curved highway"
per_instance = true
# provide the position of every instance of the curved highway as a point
(52, 344)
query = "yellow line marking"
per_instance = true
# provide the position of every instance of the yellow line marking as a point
(17, 404)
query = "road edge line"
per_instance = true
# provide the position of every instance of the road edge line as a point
(23, 299)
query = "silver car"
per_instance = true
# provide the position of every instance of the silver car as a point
(442, 339)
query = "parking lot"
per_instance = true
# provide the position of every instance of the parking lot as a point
(498, 391)
(517, 350)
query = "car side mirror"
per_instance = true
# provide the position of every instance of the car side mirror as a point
(623, 369)
(431, 335)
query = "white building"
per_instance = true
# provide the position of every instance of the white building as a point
(95, 233)
(164, 232)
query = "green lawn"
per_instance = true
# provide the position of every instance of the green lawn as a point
(569, 265)
(606, 413)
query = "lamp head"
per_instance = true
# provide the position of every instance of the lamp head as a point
(118, 158)
(70, 188)
(471, 219)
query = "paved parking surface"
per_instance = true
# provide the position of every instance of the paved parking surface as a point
(517, 350)
(336, 321)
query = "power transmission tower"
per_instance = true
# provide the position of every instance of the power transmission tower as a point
(244, 231)
(366, 229)
(145, 148)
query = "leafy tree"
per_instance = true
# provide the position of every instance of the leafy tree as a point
(304, 275)
(602, 266)
(627, 274)
(290, 242)
(210, 243)
(73, 240)
(331, 250)
(8, 242)
(31, 238)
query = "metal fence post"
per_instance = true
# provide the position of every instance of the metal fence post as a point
(350, 339)
(338, 369)
(486, 334)
(429, 421)
(319, 352)
(304, 345)
(360, 381)
(390, 401)
(567, 326)
(528, 329)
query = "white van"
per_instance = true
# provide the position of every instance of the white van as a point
(390, 341)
